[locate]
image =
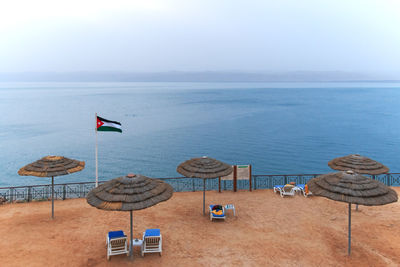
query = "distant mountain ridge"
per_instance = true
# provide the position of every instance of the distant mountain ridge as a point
(205, 76)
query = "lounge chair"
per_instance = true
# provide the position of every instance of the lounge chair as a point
(304, 189)
(278, 188)
(117, 243)
(152, 241)
(288, 190)
(217, 212)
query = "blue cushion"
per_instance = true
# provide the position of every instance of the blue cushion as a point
(279, 186)
(215, 215)
(152, 232)
(301, 186)
(116, 234)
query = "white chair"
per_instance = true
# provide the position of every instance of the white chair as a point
(152, 241)
(288, 190)
(217, 216)
(117, 244)
(278, 188)
(303, 190)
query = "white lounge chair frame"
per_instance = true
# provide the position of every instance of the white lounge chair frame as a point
(303, 191)
(151, 244)
(217, 217)
(305, 194)
(278, 188)
(117, 246)
(288, 191)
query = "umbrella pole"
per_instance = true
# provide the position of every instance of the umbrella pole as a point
(204, 196)
(131, 240)
(349, 249)
(52, 197)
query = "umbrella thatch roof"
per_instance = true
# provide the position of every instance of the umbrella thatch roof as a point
(204, 167)
(131, 192)
(50, 166)
(351, 187)
(359, 164)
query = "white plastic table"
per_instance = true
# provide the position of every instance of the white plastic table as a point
(230, 207)
(136, 243)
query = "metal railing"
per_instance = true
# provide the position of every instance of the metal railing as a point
(180, 184)
(270, 180)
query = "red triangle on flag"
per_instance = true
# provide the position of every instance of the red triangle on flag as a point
(99, 123)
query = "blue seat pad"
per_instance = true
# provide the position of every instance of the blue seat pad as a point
(152, 232)
(116, 234)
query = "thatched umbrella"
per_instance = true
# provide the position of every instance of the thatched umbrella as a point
(358, 164)
(204, 168)
(129, 193)
(354, 188)
(51, 166)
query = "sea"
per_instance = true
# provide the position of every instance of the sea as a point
(278, 128)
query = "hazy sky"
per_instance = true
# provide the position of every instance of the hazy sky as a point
(200, 35)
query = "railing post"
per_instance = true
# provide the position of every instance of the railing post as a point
(64, 191)
(250, 185)
(234, 178)
(29, 193)
(193, 184)
(11, 195)
(285, 179)
(388, 179)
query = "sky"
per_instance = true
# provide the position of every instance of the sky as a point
(200, 35)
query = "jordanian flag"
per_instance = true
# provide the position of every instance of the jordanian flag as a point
(108, 126)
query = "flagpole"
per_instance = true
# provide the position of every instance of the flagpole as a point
(97, 173)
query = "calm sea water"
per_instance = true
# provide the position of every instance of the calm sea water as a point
(279, 128)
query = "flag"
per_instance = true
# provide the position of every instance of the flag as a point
(108, 126)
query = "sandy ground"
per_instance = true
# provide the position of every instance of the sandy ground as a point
(267, 231)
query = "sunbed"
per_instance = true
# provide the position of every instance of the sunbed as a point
(152, 241)
(117, 243)
(217, 212)
(304, 190)
(278, 188)
(288, 190)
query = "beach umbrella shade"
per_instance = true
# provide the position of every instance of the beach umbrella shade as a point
(352, 188)
(204, 168)
(51, 166)
(129, 193)
(358, 164)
